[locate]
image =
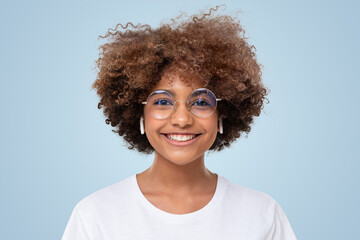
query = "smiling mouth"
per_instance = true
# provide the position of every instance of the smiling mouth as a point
(181, 137)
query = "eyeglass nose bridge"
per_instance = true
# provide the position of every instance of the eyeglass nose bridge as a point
(175, 107)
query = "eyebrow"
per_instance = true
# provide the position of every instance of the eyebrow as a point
(167, 90)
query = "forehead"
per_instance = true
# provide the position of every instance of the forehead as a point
(178, 82)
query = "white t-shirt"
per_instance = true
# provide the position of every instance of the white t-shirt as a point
(121, 211)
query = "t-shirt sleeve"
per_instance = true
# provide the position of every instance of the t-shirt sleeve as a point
(281, 229)
(75, 229)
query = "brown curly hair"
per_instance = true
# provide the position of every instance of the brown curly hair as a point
(210, 47)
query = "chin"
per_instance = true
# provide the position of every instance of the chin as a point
(181, 158)
(180, 162)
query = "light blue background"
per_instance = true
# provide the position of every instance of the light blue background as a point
(56, 147)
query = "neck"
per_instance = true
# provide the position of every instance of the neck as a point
(179, 179)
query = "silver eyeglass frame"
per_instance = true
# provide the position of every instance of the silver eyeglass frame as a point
(187, 102)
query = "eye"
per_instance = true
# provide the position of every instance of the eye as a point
(200, 103)
(162, 102)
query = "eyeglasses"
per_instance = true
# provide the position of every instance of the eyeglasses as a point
(201, 102)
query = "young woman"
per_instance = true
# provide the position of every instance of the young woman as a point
(179, 90)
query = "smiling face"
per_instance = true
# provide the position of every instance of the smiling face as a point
(183, 137)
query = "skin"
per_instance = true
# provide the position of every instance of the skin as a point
(178, 181)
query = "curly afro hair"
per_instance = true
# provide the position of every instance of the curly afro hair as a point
(212, 48)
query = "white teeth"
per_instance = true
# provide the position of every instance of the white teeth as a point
(180, 138)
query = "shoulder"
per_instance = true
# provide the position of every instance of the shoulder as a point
(100, 206)
(107, 197)
(244, 194)
(252, 208)
(249, 201)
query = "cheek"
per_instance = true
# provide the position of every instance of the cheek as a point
(211, 128)
(150, 132)
(212, 123)
(152, 128)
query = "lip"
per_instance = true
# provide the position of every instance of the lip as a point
(182, 133)
(176, 143)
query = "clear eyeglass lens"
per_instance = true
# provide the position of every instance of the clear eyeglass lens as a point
(161, 104)
(202, 103)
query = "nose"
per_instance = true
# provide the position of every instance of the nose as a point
(182, 117)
